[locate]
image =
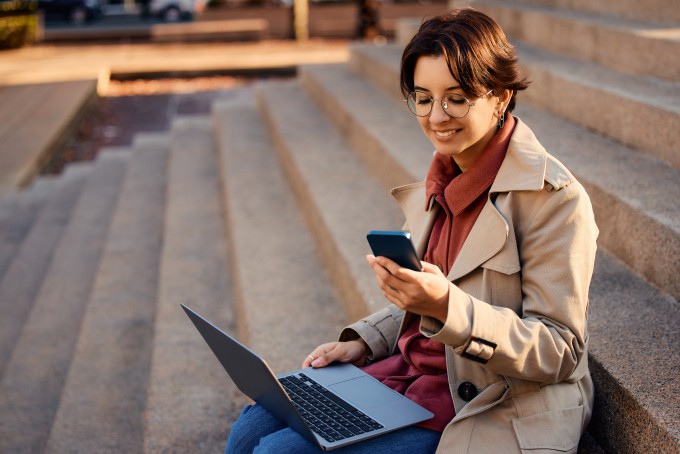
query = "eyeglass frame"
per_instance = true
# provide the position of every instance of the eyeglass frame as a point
(442, 102)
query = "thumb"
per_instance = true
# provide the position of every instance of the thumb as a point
(430, 268)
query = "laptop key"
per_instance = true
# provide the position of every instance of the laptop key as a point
(346, 433)
(338, 401)
(327, 414)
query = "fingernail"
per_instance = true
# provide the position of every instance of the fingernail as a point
(316, 363)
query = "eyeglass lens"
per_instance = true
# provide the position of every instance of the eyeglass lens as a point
(454, 105)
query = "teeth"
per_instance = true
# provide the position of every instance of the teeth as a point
(444, 133)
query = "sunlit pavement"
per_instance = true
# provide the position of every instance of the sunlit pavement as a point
(51, 62)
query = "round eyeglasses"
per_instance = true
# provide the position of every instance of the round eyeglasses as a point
(455, 105)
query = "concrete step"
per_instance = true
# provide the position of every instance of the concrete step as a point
(31, 386)
(628, 45)
(104, 396)
(190, 400)
(641, 113)
(39, 120)
(20, 284)
(379, 65)
(634, 362)
(285, 304)
(335, 191)
(21, 103)
(379, 127)
(639, 222)
(649, 10)
(18, 211)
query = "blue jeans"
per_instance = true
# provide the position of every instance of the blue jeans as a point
(257, 431)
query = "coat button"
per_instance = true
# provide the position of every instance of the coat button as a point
(467, 391)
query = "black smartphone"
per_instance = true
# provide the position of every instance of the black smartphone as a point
(396, 246)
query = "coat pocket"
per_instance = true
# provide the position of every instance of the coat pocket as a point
(549, 432)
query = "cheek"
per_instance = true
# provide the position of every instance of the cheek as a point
(422, 121)
(424, 125)
(478, 125)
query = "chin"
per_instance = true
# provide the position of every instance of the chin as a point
(448, 151)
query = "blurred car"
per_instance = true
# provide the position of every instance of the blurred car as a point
(74, 11)
(176, 10)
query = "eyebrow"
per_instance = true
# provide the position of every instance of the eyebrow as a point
(455, 87)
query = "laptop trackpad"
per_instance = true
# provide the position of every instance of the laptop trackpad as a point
(364, 392)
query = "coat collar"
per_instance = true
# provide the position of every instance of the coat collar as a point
(525, 162)
(523, 169)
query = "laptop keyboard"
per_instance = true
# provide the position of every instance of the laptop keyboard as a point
(325, 413)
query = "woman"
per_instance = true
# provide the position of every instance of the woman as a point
(491, 336)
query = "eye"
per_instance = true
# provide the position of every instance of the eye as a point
(421, 98)
(455, 99)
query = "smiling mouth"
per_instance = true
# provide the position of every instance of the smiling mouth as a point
(448, 133)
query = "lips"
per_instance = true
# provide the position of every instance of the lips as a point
(444, 134)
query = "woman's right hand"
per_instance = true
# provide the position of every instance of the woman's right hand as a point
(354, 351)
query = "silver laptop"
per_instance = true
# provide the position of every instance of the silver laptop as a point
(332, 406)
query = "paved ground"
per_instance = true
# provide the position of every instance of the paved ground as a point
(49, 63)
(142, 105)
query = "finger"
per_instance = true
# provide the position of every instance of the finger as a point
(308, 361)
(342, 352)
(327, 357)
(383, 280)
(387, 264)
(394, 269)
(430, 268)
(393, 285)
(381, 272)
(382, 276)
(316, 353)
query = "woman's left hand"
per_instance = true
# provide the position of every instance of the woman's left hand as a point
(423, 292)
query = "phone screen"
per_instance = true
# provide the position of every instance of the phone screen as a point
(396, 245)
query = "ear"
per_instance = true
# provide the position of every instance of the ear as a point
(502, 102)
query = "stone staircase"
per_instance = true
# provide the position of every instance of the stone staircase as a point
(256, 216)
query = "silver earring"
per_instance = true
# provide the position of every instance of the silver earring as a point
(501, 120)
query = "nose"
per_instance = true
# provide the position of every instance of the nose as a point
(438, 114)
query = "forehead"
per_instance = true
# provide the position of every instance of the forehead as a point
(432, 73)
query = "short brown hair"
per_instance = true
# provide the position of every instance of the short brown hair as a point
(478, 54)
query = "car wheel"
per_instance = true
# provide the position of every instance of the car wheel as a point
(78, 15)
(172, 14)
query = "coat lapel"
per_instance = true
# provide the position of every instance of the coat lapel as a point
(486, 238)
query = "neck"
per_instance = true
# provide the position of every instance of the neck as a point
(468, 157)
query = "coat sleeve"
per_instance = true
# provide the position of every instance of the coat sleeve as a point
(379, 330)
(547, 340)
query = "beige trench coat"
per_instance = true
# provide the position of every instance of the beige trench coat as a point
(516, 336)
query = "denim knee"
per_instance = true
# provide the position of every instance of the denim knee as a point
(253, 424)
(285, 441)
(256, 430)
